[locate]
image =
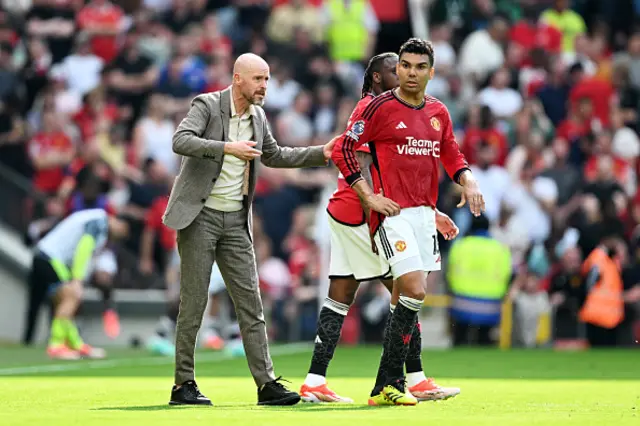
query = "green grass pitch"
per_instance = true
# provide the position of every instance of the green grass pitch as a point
(498, 388)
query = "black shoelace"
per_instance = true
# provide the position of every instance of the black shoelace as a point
(277, 383)
(192, 388)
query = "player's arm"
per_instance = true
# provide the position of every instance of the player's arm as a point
(344, 157)
(365, 160)
(457, 168)
(85, 248)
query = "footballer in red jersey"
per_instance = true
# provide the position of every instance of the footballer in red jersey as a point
(352, 259)
(408, 134)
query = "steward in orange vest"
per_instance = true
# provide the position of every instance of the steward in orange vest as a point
(604, 304)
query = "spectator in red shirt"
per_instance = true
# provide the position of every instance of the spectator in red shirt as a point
(600, 92)
(94, 110)
(50, 151)
(530, 33)
(621, 170)
(487, 131)
(579, 122)
(103, 21)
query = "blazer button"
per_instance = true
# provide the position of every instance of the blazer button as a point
(204, 200)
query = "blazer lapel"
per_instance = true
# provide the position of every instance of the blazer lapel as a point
(256, 122)
(225, 112)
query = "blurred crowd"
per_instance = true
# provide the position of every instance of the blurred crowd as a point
(544, 95)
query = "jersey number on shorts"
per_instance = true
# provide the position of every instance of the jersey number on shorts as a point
(436, 246)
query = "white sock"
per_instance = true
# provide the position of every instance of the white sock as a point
(314, 380)
(392, 307)
(415, 378)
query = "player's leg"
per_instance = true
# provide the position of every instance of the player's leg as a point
(334, 310)
(351, 261)
(44, 278)
(64, 302)
(342, 289)
(390, 380)
(38, 286)
(421, 387)
(104, 271)
(65, 337)
(413, 364)
(397, 241)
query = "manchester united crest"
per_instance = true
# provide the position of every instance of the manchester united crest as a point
(435, 123)
(400, 246)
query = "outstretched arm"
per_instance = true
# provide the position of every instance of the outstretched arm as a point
(274, 155)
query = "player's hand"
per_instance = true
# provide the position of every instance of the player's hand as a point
(471, 193)
(381, 204)
(243, 150)
(327, 149)
(446, 226)
(76, 286)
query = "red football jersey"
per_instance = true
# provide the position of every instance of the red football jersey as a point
(344, 205)
(406, 143)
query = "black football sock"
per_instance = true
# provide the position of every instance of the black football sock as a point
(107, 296)
(397, 338)
(414, 356)
(330, 323)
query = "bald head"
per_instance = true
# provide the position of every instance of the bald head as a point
(248, 62)
(250, 76)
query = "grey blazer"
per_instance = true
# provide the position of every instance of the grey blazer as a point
(200, 139)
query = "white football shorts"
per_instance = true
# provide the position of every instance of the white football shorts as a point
(352, 254)
(408, 242)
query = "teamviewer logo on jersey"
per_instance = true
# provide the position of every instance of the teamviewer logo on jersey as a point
(401, 125)
(419, 147)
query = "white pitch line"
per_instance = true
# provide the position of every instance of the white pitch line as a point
(288, 349)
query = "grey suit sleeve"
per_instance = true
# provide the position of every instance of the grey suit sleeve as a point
(285, 157)
(187, 140)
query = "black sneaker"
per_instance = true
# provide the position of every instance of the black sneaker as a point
(188, 394)
(275, 393)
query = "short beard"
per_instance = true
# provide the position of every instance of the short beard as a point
(253, 100)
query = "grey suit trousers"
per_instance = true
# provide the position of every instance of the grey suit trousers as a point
(224, 238)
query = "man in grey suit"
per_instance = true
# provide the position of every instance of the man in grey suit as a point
(220, 140)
